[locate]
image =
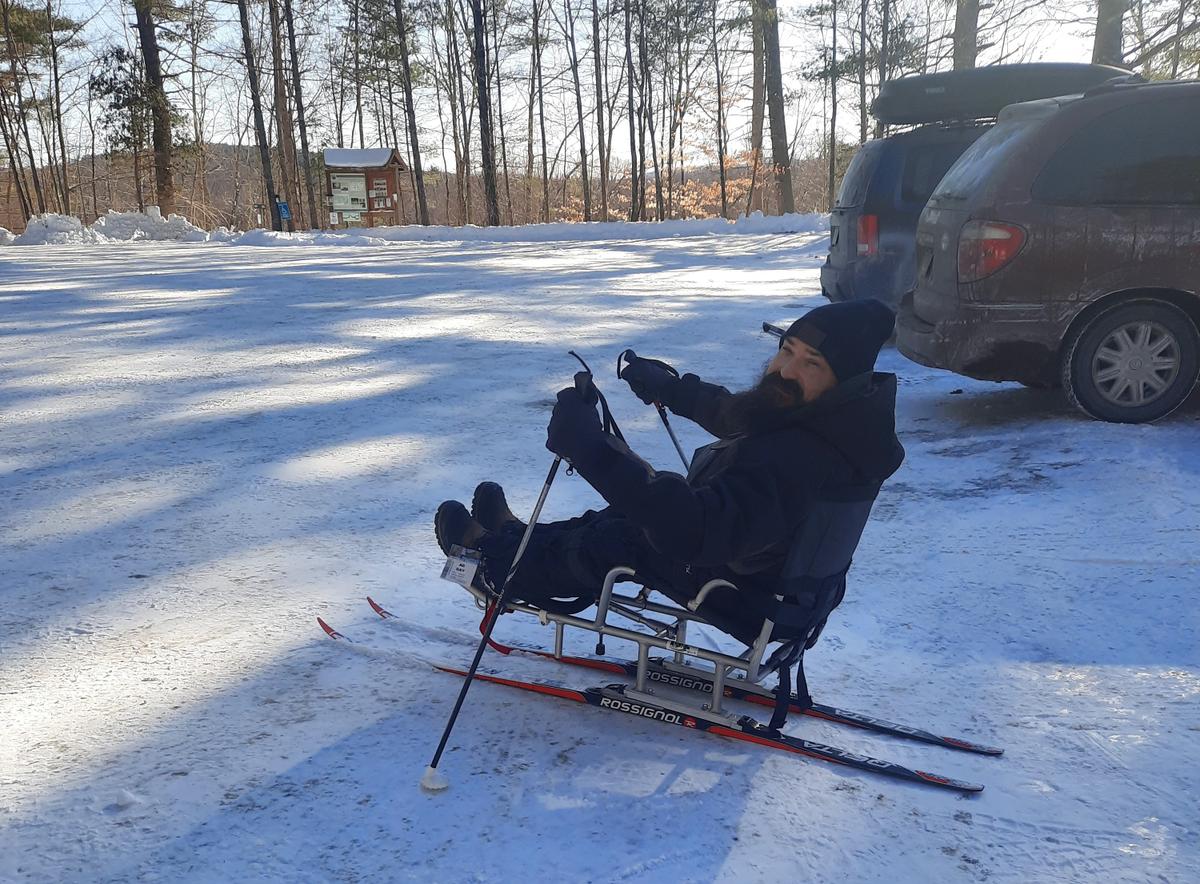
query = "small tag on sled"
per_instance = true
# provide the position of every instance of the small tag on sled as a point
(462, 565)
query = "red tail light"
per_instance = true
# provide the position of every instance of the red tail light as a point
(868, 236)
(986, 246)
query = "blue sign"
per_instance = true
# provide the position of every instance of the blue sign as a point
(285, 214)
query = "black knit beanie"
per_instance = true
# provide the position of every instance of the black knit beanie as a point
(849, 334)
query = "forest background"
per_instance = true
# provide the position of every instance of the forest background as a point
(506, 111)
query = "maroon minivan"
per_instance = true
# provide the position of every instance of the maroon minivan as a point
(1064, 247)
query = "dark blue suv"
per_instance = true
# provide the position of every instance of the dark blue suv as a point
(873, 224)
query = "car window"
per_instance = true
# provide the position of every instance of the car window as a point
(854, 183)
(966, 175)
(924, 167)
(1141, 154)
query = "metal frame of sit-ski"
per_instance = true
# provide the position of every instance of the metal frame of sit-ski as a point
(666, 636)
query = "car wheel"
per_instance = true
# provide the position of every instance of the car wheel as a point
(1133, 363)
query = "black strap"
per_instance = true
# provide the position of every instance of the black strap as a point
(794, 656)
(609, 422)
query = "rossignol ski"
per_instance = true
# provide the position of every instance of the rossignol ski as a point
(744, 728)
(689, 678)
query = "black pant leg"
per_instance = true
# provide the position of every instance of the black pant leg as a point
(567, 560)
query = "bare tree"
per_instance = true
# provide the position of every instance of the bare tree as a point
(758, 101)
(260, 126)
(1110, 22)
(600, 133)
(567, 26)
(780, 158)
(283, 113)
(161, 110)
(488, 146)
(966, 33)
(305, 156)
(410, 112)
(720, 113)
(637, 164)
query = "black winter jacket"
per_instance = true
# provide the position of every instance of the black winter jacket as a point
(737, 512)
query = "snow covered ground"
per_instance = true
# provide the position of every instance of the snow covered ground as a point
(206, 445)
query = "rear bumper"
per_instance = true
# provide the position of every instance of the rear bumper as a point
(862, 279)
(993, 342)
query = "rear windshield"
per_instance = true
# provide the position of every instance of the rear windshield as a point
(974, 166)
(854, 183)
(924, 167)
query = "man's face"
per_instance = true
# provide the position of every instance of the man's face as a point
(803, 366)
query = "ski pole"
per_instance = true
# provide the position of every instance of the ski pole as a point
(773, 330)
(432, 780)
(662, 411)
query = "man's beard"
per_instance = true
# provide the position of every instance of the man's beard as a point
(763, 405)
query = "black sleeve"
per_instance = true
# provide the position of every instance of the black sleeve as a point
(700, 402)
(750, 507)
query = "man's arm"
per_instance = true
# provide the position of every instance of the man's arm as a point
(655, 381)
(700, 402)
(748, 509)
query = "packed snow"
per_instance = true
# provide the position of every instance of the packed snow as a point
(207, 445)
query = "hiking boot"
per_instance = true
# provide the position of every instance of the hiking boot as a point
(490, 509)
(453, 526)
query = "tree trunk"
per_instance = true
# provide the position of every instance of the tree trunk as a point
(356, 31)
(885, 40)
(260, 126)
(56, 84)
(758, 103)
(636, 164)
(1175, 52)
(1110, 20)
(455, 68)
(20, 124)
(966, 34)
(568, 29)
(833, 80)
(600, 141)
(541, 97)
(160, 109)
(720, 116)
(862, 73)
(529, 135)
(774, 85)
(648, 100)
(884, 59)
(18, 172)
(283, 115)
(484, 96)
(500, 117)
(411, 114)
(305, 156)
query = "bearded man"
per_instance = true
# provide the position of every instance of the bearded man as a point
(819, 426)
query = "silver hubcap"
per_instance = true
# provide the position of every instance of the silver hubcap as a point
(1136, 363)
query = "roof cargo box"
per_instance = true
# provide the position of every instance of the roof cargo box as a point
(979, 93)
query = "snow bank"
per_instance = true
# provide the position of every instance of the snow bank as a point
(6, 236)
(148, 226)
(756, 223)
(57, 230)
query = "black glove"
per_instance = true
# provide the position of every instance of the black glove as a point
(650, 379)
(575, 426)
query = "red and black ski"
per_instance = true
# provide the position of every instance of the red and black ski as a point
(745, 729)
(696, 680)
